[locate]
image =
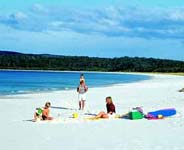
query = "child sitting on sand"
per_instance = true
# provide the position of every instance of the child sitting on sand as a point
(43, 113)
(110, 110)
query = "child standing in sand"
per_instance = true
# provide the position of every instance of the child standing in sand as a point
(82, 89)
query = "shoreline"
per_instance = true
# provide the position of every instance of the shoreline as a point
(144, 73)
(147, 77)
(151, 75)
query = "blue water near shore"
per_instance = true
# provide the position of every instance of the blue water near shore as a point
(21, 82)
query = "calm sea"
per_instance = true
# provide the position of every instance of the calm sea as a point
(20, 82)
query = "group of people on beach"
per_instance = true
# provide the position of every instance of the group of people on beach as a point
(44, 113)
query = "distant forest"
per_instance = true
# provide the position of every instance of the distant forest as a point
(14, 60)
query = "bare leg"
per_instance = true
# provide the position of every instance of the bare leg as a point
(50, 118)
(83, 104)
(35, 117)
(101, 115)
(79, 105)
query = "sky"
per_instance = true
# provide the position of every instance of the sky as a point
(97, 28)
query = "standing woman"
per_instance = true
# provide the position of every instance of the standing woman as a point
(82, 89)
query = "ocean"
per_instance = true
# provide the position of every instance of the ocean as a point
(21, 82)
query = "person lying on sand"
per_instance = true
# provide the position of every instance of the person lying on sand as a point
(43, 113)
(110, 110)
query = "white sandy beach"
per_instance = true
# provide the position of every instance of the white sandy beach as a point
(121, 134)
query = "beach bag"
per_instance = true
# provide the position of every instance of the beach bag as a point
(136, 113)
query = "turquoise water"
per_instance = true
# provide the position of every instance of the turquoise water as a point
(20, 82)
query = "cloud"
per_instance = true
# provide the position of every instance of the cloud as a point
(111, 22)
(13, 19)
(39, 8)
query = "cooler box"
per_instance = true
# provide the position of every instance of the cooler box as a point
(133, 115)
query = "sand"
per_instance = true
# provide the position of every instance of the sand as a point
(161, 91)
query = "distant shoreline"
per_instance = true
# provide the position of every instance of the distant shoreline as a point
(12, 60)
(108, 72)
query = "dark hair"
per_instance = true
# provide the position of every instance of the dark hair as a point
(109, 97)
(82, 74)
(82, 81)
(47, 104)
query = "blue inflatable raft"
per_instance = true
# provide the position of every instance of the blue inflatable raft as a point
(164, 112)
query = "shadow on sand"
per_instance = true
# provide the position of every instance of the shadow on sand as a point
(29, 120)
(64, 108)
